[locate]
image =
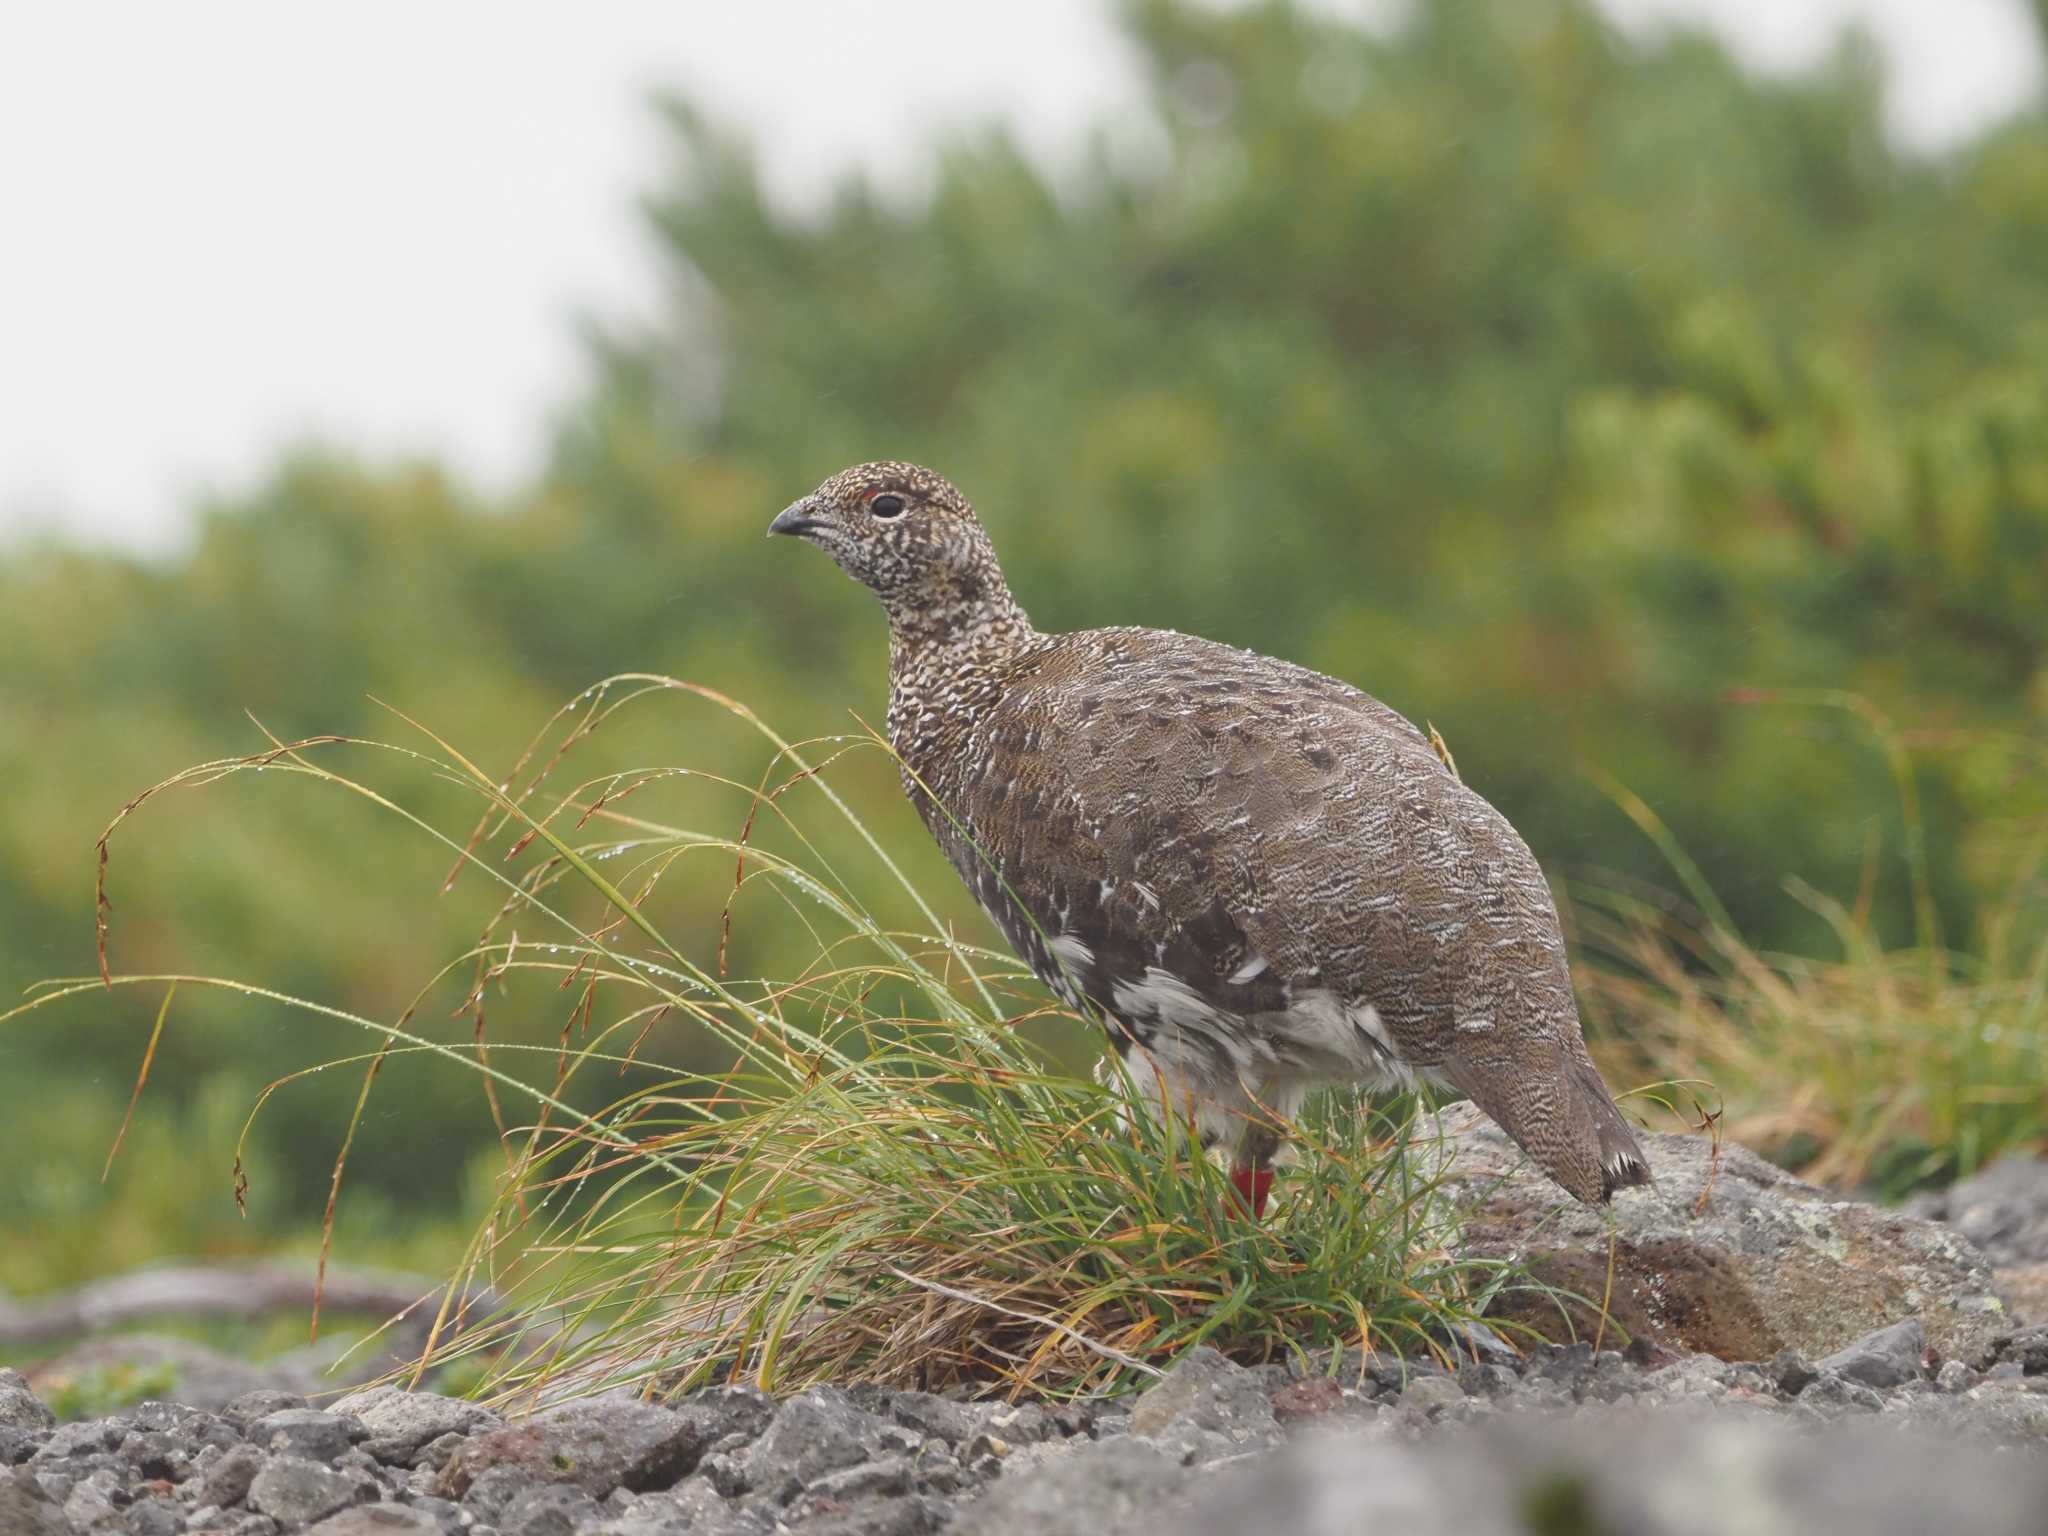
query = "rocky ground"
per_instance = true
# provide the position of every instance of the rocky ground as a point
(1935, 1418)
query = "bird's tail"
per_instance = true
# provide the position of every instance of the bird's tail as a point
(1622, 1163)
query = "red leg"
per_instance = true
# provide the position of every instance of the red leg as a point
(1253, 1185)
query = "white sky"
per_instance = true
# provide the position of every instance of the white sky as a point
(236, 224)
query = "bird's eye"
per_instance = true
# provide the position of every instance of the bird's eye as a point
(887, 505)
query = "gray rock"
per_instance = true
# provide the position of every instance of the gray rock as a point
(26, 1510)
(730, 1415)
(557, 1509)
(726, 1473)
(2024, 1288)
(1835, 1397)
(939, 1472)
(437, 1452)
(813, 1433)
(153, 1517)
(293, 1491)
(496, 1489)
(871, 1479)
(1992, 1413)
(2028, 1349)
(1724, 1254)
(60, 1477)
(1567, 1364)
(19, 1407)
(1378, 1371)
(940, 1418)
(400, 1424)
(18, 1445)
(378, 1520)
(913, 1516)
(226, 1482)
(305, 1432)
(1204, 1391)
(2002, 1209)
(242, 1525)
(599, 1443)
(1680, 1474)
(449, 1515)
(90, 1505)
(155, 1454)
(1319, 1397)
(68, 1441)
(247, 1407)
(1432, 1394)
(1096, 1488)
(1884, 1358)
(193, 1428)
(988, 1448)
(660, 1525)
(1020, 1423)
(689, 1508)
(1791, 1371)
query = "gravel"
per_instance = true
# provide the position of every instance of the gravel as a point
(1933, 1420)
(734, 1462)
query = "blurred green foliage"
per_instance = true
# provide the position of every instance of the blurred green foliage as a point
(1547, 386)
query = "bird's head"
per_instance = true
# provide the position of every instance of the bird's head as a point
(908, 536)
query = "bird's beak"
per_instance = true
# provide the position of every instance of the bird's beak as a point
(799, 517)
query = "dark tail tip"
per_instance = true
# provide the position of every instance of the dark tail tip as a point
(1622, 1168)
(1623, 1164)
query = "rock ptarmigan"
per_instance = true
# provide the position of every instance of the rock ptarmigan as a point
(1259, 877)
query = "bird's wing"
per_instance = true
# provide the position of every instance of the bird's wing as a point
(1173, 814)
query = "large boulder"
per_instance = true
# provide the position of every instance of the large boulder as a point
(1724, 1254)
(2024, 1288)
(2003, 1210)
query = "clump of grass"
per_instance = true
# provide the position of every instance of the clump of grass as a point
(934, 1204)
(1875, 1069)
(888, 1174)
(1889, 1067)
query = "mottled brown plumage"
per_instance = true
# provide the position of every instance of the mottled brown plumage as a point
(1260, 877)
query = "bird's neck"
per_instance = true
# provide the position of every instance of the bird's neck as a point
(976, 622)
(947, 658)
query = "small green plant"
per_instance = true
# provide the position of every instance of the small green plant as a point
(886, 1171)
(106, 1389)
